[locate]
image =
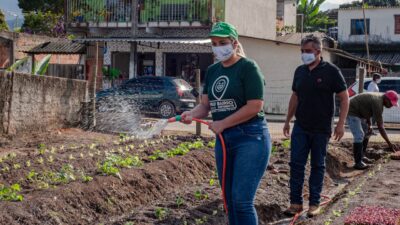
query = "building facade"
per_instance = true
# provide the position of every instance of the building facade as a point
(383, 25)
(171, 35)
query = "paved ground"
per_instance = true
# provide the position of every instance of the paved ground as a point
(275, 130)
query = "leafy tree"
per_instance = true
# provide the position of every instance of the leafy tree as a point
(43, 23)
(314, 19)
(43, 17)
(3, 23)
(55, 6)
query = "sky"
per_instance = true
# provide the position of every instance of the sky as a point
(12, 6)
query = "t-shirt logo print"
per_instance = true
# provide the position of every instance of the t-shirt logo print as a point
(219, 87)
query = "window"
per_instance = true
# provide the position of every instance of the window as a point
(357, 26)
(397, 24)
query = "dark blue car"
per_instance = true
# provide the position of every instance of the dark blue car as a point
(165, 96)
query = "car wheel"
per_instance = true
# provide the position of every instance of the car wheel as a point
(167, 110)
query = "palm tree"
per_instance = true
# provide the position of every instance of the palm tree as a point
(313, 17)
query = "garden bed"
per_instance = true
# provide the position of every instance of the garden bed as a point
(76, 177)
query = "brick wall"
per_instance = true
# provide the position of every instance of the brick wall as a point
(4, 54)
(24, 42)
(37, 103)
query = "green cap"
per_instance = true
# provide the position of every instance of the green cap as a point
(222, 29)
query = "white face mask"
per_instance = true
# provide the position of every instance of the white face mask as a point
(223, 53)
(378, 81)
(308, 58)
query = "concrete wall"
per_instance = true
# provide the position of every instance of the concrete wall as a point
(38, 103)
(382, 25)
(252, 18)
(290, 13)
(278, 61)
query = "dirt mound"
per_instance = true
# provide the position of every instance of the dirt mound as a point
(78, 203)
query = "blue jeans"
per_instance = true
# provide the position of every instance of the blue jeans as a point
(302, 142)
(358, 128)
(248, 150)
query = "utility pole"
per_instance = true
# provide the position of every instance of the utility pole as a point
(134, 44)
(368, 66)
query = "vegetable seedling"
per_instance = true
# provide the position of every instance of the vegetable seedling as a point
(161, 213)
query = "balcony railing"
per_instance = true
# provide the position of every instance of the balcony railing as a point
(99, 11)
(118, 13)
(176, 11)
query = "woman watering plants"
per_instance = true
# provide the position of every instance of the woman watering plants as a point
(234, 92)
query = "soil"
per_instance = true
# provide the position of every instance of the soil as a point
(178, 190)
(378, 187)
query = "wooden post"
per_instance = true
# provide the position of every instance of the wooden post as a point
(198, 99)
(96, 70)
(361, 75)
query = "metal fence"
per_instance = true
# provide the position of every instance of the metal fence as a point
(111, 11)
(83, 11)
(176, 11)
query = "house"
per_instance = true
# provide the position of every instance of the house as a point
(383, 31)
(14, 46)
(171, 36)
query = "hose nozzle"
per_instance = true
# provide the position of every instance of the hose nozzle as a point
(174, 119)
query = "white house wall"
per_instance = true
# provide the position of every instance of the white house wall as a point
(164, 48)
(290, 13)
(382, 25)
(278, 63)
(252, 18)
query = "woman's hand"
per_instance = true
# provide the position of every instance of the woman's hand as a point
(217, 127)
(186, 117)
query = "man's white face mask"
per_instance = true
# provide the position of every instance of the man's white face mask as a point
(308, 58)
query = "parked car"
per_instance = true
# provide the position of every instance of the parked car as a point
(165, 96)
(388, 83)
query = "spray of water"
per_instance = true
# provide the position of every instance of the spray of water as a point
(119, 113)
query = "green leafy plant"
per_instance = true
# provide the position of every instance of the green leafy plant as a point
(199, 195)
(286, 143)
(108, 168)
(11, 193)
(161, 213)
(179, 201)
(41, 67)
(211, 144)
(85, 178)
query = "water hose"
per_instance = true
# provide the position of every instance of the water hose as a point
(221, 138)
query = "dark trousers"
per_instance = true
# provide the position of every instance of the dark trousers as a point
(302, 143)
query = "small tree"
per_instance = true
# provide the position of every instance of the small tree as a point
(3, 23)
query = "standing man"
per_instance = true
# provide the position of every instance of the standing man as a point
(373, 85)
(363, 107)
(312, 102)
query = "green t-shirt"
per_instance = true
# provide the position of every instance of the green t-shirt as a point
(367, 105)
(229, 88)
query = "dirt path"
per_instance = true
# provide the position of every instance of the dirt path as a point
(380, 186)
